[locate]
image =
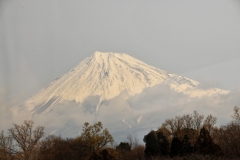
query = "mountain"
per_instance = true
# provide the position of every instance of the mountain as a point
(105, 76)
(126, 94)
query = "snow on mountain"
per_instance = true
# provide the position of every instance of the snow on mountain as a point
(107, 75)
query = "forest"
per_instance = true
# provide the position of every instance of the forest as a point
(191, 136)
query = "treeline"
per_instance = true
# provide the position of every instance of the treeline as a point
(189, 136)
(193, 136)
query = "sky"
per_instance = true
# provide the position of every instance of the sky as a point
(42, 40)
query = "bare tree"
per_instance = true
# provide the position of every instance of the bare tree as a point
(189, 124)
(192, 121)
(187, 121)
(197, 120)
(209, 123)
(25, 138)
(133, 141)
(130, 140)
(228, 137)
(174, 125)
(6, 147)
(169, 125)
(236, 114)
(178, 123)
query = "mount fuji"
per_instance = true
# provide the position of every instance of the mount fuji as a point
(99, 81)
(106, 75)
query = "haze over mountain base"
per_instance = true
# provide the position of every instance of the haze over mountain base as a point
(127, 95)
(136, 115)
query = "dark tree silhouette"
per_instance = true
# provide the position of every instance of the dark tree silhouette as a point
(163, 144)
(176, 147)
(151, 146)
(124, 146)
(156, 144)
(205, 145)
(186, 146)
(228, 137)
(236, 114)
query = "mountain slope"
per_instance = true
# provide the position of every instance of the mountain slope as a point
(107, 75)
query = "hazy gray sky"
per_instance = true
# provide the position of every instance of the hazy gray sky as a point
(41, 40)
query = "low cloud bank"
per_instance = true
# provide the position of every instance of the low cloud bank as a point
(147, 110)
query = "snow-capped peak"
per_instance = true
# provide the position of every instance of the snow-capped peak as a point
(106, 75)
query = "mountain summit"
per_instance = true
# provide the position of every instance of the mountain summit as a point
(107, 75)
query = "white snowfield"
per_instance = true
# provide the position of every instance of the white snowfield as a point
(107, 75)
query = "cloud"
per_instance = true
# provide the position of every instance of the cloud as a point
(8, 113)
(122, 116)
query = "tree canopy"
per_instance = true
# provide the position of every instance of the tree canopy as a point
(95, 136)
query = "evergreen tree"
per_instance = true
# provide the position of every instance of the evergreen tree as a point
(124, 146)
(186, 146)
(176, 146)
(163, 144)
(151, 146)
